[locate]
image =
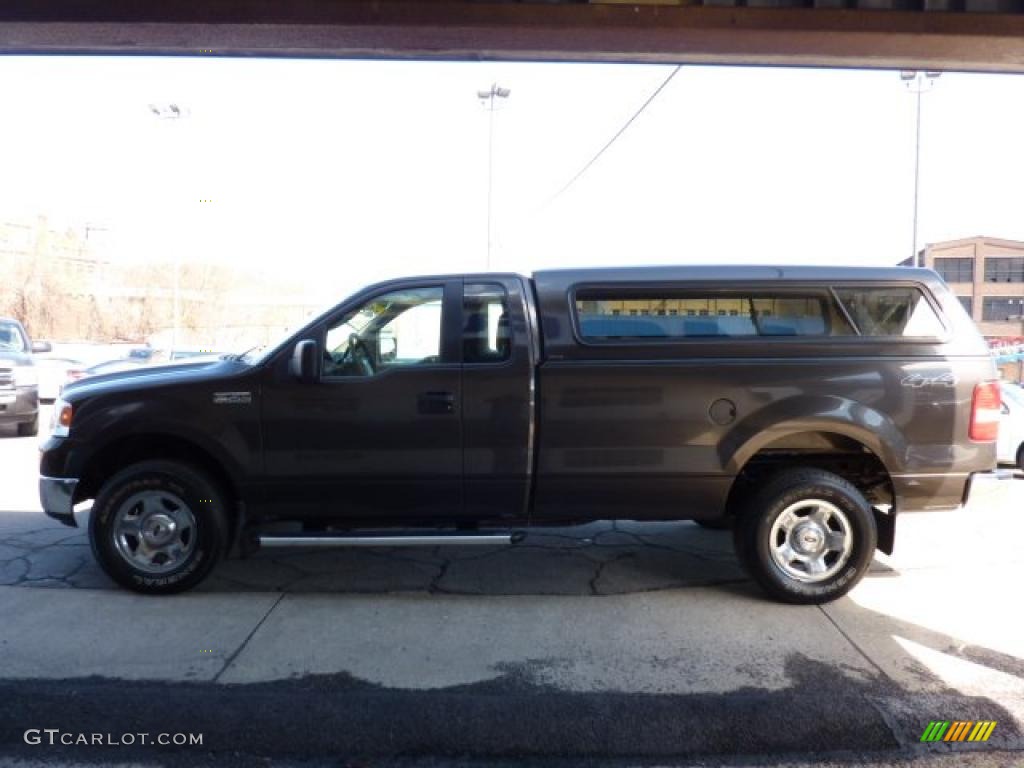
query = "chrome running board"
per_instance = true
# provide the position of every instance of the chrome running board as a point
(424, 540)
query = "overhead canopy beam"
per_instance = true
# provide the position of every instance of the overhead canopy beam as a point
(518, 31)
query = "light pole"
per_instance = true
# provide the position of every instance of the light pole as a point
(488, 97)
(917, 83)
(172, 112)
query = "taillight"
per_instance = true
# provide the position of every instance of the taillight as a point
(985, 406)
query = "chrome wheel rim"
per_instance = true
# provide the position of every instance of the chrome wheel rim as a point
(811, 540)
(154, 531)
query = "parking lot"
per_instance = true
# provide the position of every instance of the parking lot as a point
(615, 640)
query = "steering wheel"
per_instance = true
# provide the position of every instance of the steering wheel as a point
(360, 355)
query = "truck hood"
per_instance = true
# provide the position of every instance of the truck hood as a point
(9, 358)
(159, 375)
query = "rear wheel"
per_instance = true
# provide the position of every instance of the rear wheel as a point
(29, 428)
(159, 527)
(807, 536)
(1020, 457)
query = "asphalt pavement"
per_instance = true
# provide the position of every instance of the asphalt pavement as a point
(615, 643)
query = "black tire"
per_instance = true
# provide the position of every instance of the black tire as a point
(1020, 457)
(718, 524)
(203, 499)
(752, 535)
(29, 428)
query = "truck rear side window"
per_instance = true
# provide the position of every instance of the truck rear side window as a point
(604, 316)
(485, 324)
(890, 311)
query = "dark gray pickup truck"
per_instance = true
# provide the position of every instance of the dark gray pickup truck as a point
(803, 407)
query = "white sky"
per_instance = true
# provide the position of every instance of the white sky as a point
(354, 171)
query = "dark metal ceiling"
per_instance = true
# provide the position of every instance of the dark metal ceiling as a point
(983, 35)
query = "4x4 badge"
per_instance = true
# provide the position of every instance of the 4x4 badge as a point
(232, 398)
(916, 380)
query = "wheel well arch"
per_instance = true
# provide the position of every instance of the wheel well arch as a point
(131, 449)
(830, 450)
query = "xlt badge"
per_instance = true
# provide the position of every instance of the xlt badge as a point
(232, 398)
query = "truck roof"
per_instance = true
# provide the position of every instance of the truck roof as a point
(669, 273)
(735, 272)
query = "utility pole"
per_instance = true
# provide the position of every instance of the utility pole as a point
(917, 83)
(173, 112)
(488, 97)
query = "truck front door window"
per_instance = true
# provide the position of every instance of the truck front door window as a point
(394, 329)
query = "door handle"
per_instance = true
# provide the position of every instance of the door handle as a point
(436, 402)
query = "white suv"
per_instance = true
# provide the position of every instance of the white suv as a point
(1010, 447)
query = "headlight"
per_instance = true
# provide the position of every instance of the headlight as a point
(26, 376)
(60, 421)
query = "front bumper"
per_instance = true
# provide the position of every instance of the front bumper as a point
(18, 405)
(57, 495)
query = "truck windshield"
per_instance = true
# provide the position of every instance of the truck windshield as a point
(11, 338)
(260, 352)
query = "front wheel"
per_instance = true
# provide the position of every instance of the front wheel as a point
(158, 527)
(808, 536)
(29, 428)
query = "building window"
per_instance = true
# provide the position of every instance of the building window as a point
(968, 304)
(1001, 309)
(1004, 269)
(958, 270)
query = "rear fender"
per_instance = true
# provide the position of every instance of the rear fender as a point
(794, 415)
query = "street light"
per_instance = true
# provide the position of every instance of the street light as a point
(173, 112)
(917, 83)
(168, 111)
(488, 97)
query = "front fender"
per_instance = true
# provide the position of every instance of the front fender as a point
(233, 443)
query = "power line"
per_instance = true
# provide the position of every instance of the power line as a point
(612, 140)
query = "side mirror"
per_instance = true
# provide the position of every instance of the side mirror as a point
(304, 364)
(41, 346)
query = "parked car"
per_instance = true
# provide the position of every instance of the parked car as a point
(193, 354)
(53, 373)
(144, 353)
(19, 382)
(1010, 447)
(808, 406)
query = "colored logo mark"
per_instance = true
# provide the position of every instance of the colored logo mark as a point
(958, 730)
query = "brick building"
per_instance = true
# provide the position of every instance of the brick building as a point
(987, 275)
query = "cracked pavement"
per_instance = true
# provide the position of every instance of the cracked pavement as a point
(608, 640)
(602, 558)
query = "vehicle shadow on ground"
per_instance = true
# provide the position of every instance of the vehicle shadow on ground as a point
(600, 558)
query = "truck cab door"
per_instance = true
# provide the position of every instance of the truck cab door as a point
(376, 438)
(499, 350)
